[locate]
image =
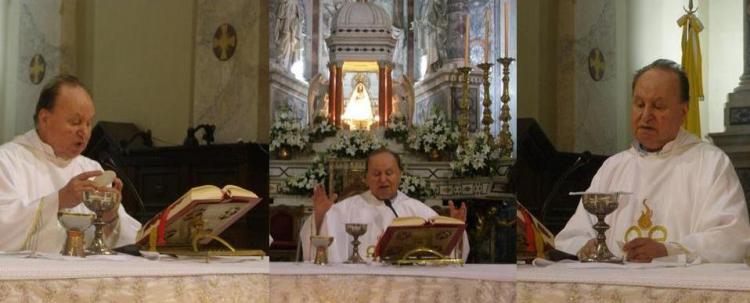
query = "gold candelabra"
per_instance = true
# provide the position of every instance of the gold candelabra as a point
(505, 140)
(463, 121)
(487, 113)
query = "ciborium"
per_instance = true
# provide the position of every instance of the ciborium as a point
(75, 224)
(356, 230)
(321, 244)
(100, 202)
(600, 205)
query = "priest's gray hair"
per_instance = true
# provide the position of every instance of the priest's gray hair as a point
(670, 66)
(384, 150)
(51, 90)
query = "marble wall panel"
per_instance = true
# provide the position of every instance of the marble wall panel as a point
(39, 33)
(226, 93)
(595, 101)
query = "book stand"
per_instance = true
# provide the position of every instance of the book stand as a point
(425, 256)
(198, 233)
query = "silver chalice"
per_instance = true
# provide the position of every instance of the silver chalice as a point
(100, 202)
(356, 230)
(600, 205)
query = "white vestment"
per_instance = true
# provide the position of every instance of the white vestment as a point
(696, 201)
(364, 208)
(30, 178)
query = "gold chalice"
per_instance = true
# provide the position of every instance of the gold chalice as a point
(600, 205)
(74, 224)
(356, 230)
(321, 244)
(100, 202)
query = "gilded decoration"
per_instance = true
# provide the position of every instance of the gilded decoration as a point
(645, 227)
(596, 64)
(37, 69)
(225, 42)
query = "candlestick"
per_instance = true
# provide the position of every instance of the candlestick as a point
(505, 140)
(487, 114)
(506, 29)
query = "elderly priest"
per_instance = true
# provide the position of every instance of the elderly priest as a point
(376, 207)
(686, 199)
(42, 172)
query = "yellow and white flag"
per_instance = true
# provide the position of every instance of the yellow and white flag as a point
(691, 63)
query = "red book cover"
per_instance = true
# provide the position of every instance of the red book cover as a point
(210, 207)
(441, 234)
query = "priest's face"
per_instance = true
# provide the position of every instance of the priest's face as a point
(658, 111)
(383, 176)
(67, 126)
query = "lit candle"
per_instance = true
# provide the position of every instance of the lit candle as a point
(506, 29)
(487, 45)
(466, 40)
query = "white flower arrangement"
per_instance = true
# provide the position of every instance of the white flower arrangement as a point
(417, 187)
(436, 133)
(287, 131)
(397, 128)
(304, 184)
(355, 144)
(322, 128)
(475, 158)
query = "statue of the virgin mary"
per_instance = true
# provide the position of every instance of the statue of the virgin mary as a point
(358, 112)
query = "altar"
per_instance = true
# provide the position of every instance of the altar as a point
(122, 278)
(634, 283)
(304, 282)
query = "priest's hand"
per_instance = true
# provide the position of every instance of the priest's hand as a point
(644, 250)
(72, 194)
(322, 202)
(117, 184)
(457, 213)
(587, 249)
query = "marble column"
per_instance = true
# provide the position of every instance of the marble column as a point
(737, 115)
(381, 93)
(410, 40)
(332, 85)
(737, 109)
(388, 92)
(315, 41)
(456, 11)
(339, 91)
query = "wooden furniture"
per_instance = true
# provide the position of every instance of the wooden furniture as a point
(542, 177)
(156, 177)
(285, 222)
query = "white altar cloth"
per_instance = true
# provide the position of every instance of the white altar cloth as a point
(131, 280)
(305, 282)
(697, 283)
(489, 272)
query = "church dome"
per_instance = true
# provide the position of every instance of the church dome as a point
(361, 31)
(362, 17)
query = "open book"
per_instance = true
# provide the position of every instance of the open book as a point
(203, 209)
(407, 234)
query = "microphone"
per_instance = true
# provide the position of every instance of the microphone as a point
(390, 205)
(582, 160)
